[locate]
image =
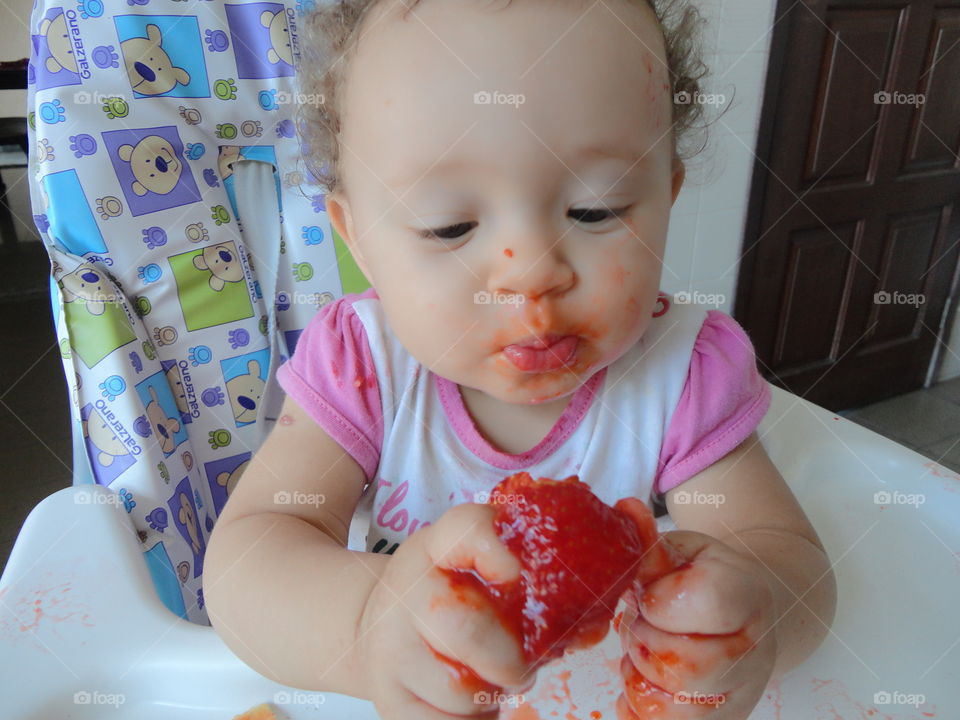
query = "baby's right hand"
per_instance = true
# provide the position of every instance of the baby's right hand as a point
(413, 614)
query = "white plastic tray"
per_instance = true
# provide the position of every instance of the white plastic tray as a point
(83, 635)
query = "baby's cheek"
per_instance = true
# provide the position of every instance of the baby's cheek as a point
(618, 276)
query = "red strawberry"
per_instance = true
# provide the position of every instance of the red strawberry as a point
(577, 556)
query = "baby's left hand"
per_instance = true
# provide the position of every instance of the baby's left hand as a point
(698, 641)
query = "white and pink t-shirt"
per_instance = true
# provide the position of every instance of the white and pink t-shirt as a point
(682, 397)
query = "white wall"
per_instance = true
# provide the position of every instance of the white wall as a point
(705, 241)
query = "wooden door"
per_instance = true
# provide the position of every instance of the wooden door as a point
(849, 271)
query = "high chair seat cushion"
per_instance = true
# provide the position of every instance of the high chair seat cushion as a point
(154, 133)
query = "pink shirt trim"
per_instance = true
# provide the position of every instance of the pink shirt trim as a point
(723, 400)
(470, 436)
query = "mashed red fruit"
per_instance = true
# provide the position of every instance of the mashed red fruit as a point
(577, 556)
(260, 712)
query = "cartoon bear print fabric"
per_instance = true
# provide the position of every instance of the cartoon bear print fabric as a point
(139, 117)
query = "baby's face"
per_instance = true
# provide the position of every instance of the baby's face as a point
(553, 208)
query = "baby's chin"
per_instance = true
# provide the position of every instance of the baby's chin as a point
(537, 389)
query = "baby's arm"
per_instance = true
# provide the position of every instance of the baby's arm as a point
(761, 519)
(272, 567)
(292, 602)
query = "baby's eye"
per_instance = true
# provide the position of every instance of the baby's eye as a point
(586, 215)
(595, 215)
(451, 232)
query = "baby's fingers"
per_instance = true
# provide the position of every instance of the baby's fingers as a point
(692, 663)
(660, 557)
(407, 704)
(431, 674)
(463, 625)
(716, 592)
(644, 700)
(464, 537)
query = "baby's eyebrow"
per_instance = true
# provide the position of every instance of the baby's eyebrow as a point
(634, 156)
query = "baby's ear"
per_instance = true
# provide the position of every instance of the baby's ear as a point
(338, 210)
(679, 173)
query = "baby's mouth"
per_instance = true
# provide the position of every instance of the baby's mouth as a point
(537, 354)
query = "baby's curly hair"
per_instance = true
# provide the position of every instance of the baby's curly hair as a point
(329, 34)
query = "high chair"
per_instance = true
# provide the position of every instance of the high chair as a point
(176, 293)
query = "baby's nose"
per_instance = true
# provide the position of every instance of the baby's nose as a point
(534, 272)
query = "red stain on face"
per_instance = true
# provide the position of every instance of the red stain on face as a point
(508, 252)
(539, 318)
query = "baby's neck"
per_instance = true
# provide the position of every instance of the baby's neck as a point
(509, 427)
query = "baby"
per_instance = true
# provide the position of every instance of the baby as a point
(503, 174)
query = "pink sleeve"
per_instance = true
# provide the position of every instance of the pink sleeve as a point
(332, 376)
(722, 402)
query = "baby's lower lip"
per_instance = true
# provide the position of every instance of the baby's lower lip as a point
(536, 360)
